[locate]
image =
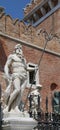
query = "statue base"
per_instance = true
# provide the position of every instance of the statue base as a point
(17, 120)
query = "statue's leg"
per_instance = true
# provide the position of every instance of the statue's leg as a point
(15, 92)
(20, 97)
(23, 87)
(7, 93)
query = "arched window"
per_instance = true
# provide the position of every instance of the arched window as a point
(53, 86)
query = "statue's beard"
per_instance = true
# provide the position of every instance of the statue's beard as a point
(19, 55)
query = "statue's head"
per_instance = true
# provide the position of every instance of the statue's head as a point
(18, 49)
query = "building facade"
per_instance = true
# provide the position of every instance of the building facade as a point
(39, 34)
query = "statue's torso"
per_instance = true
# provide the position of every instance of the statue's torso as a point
(18, 66)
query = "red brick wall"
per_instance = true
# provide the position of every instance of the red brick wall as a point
(48, 70)
(18, 29)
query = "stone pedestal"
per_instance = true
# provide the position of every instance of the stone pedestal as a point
(18, 121)
(19, 124)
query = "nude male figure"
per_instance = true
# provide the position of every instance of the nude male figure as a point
(16, 72)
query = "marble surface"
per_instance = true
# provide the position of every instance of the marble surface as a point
(15, 120)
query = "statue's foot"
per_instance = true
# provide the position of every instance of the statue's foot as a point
(6, 97)
(5, 110)
(17, 109)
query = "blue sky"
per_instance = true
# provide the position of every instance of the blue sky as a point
(14, 7)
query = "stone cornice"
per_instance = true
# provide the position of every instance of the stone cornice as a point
(29, 44)
(41, 12)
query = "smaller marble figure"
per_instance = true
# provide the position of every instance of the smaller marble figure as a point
(35, 99)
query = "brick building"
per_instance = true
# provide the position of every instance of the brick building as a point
(39, 34)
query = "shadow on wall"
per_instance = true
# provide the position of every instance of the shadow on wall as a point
(3, 56)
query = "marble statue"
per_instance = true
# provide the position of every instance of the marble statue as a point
(16, 75)
(35, 94)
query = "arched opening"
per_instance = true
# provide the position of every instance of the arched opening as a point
(53, 86)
